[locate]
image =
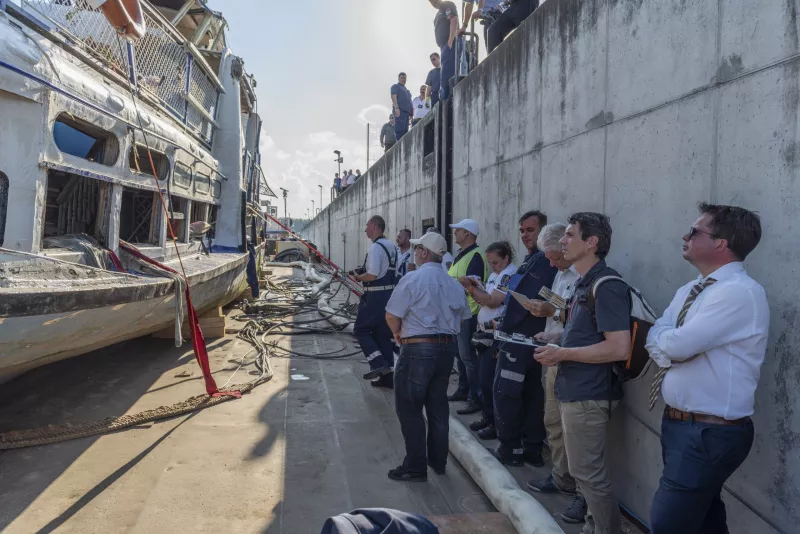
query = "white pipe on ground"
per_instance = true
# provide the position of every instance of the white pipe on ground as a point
(524, 512)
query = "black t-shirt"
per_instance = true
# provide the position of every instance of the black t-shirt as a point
(441, 23)
(578, 381)
(434, 80)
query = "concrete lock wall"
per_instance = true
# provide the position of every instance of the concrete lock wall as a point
(640, 109)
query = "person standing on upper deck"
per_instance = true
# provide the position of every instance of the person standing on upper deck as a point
(508, 20)
(421, 104)
(378, 277)
(433, 82)
(445, 26)
(425, 314)
(709, 346)
(401, 106)
(388, 137)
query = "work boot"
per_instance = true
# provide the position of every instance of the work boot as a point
(401, 474)
(377, 373)
(576, 511)
(513, 460)
(437, 470)
(533, 457)
(490, 432)
(470, 407)
(457, 396)
(548, 485)
(386, 381)
(480, 424)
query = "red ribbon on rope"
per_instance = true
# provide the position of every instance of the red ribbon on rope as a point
(198, 341)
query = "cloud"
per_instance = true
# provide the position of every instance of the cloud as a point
(374, 114)
(267, 143)
(282, 154)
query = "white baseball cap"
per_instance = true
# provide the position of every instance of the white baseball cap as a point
(470, 225)
(433, 242)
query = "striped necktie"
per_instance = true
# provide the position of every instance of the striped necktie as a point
(658, 380)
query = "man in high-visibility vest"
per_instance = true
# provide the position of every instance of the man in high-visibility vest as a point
(470, 262)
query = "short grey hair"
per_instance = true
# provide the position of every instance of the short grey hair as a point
(435, 257)
(550, 236)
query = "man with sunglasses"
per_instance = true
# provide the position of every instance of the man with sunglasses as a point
(709, 346)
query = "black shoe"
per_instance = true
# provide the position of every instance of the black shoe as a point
(401, 474)
(457, 396)
(438, 471)
(470, 408)
(534, 458)
(547, 485)
(480, 424)
(488, 433)
(376, 373)
(576, 511)
(386, 381)
(512, 461)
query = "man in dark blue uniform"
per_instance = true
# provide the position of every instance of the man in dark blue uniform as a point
(378, 277)
(402, 106)
(517, 12)
(518, 391)
(434, 79)
(445, 26)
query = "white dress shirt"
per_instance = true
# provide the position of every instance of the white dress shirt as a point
(429, 301)
(563, 286)
(447, 262)
(727, 328)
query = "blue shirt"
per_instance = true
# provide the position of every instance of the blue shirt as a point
(429, 301)
(434, 80)
(403, 98)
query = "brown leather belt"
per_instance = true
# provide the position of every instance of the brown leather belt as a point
(680, 415)
(440, 339)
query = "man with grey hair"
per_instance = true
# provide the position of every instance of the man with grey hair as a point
(559, 480)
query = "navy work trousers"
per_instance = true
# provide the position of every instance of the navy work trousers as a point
(420, 381)
(487, 366)
(467, 369)
(698, 459)
(401, 124)
(518, 400)
(508, 20)
(448, 69)
(371, 330)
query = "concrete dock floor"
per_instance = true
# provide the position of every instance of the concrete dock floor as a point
(315, 441)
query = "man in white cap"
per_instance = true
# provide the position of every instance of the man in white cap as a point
(470, 262)
(425, 314)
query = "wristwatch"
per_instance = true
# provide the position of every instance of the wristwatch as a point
(557, 315)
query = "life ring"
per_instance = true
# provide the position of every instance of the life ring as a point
(125, 16)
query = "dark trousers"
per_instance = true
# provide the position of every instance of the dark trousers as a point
(401, 124)
(508, 20)
(371, 330)
(420, 381)
(387, 146)
(467, 372)
(518, 400)
(435, 96)
(698, 459)
(448, 69)
(487, 367)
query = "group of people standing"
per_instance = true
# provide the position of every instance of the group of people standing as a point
(340, 183)
(485, 313)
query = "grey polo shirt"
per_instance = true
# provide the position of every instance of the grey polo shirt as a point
(578, 381)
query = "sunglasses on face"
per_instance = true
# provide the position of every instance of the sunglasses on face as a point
(695, 231)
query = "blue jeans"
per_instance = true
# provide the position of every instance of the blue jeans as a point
(421, 376)
(448, 69)
(698, 459)
(467, 369)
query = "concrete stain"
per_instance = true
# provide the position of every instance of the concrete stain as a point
(601, 119)
(791, 154)
(730, 67)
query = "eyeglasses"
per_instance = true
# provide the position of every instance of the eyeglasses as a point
(694, 231)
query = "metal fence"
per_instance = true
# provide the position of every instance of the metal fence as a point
(165, 67)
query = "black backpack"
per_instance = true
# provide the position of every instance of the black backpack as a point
(642, 318)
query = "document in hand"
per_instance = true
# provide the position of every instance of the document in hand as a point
(519, 297)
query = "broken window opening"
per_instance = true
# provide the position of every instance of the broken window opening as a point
(139, 162)
(216, 188)
(177, 213)
(202, 183)
(3, 206)
(85, 140)
(76, 205)
(139, 217)
(182, 176)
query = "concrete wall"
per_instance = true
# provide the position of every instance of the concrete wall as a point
(640, 109)
(401, 187)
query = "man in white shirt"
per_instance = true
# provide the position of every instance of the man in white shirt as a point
(403, 241)
(378, 277)
(559, 480)
(421, 105)
(425, 315)
(351, 178)
(709, 346)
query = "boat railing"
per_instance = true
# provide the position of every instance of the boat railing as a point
(168, 66)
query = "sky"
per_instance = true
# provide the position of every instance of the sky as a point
(323, 71)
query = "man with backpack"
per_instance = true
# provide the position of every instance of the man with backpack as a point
(596, 335)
